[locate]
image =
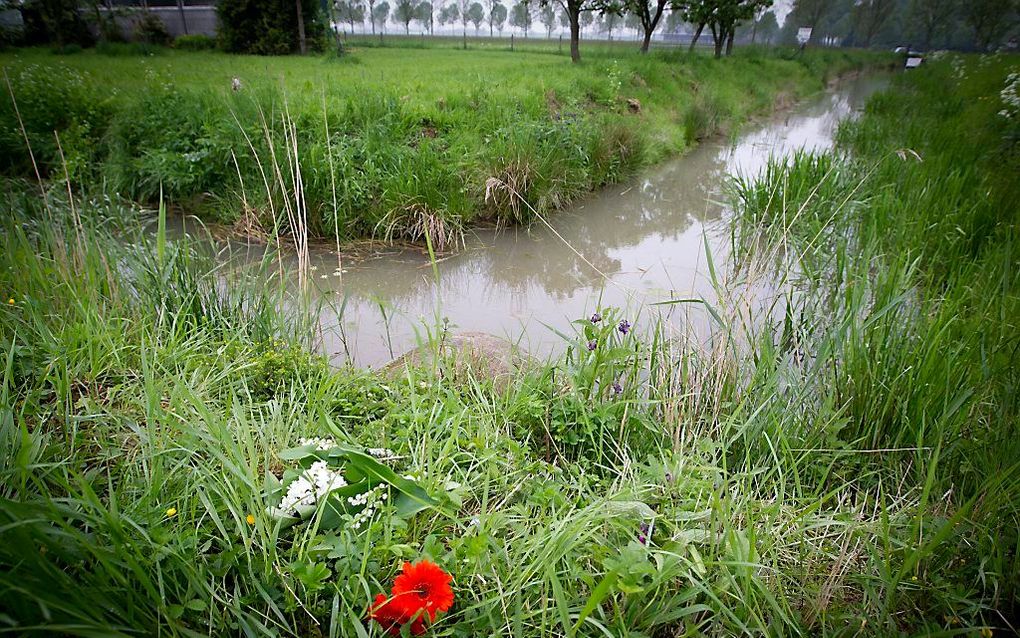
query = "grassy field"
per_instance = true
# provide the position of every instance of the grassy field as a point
(387, 142)
(851, 469)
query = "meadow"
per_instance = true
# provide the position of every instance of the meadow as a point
(395, 142)
(849, 468)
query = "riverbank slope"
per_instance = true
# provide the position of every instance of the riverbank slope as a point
(392, 143)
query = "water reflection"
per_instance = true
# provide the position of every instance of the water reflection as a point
(642, 241)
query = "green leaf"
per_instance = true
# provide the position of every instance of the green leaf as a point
(196, 605)
(601, 591)
(412, 498)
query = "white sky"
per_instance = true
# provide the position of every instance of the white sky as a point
(782, 9)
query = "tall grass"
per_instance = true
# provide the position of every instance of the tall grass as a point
(841, 462)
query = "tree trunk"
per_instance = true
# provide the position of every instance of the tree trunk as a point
(647, 41)
(697, 36)
(729, 41)
(184, 21)
(717, 40)
(302, 42)
(575, 35)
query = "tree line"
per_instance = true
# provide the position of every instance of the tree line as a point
(979, 25)
(287, 26)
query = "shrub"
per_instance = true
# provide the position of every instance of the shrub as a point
(58, 100)
(151, 30)
(195, 42)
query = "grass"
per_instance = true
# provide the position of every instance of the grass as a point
(384, 141)
(845, 465)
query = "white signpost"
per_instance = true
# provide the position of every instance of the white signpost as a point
(803, 36)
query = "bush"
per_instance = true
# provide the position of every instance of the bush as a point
(268, 27)
(151, 30)
(194, 43)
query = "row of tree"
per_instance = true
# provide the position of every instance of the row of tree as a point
(961, 24)
(373, 15)
(721, 17)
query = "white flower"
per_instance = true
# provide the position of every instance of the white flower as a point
(319, 443)
(313, 484)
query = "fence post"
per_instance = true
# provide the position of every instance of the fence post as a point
(560, 49)
(511, 42)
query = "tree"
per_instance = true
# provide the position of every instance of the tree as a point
(498, 17)
(696, 12)
(463, 6)
(766, 28)
(871, 15)
(520, 16)
(674, 21)
(380, 13)
(423, 14)
(587, 19)
(932, 16)
(648, 12)
(404, 11)
(349, 11)
(268, 27)
(476, 15)
(608, 22)
(573, 9)
(491, 4)
(758, 13)
(57, 22)
(548, 17)
(990, 20)
(809, 13)
(449, 15)
(631, 21)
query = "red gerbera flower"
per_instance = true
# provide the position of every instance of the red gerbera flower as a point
(423, 587)
(388, 613)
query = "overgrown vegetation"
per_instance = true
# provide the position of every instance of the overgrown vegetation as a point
(845, 462)
(371, 145)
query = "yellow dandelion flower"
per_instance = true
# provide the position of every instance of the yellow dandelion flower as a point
(250, 519)
(171, 512)
(10, 301)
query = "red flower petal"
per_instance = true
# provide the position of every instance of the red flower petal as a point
(389, 614)
(423, 586)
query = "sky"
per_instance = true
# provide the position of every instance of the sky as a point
(782, 8)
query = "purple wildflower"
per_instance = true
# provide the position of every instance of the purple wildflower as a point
(624, 326)
(617, 389)
(642, 536)
(595, 318)
(592, 345)
(669, 477)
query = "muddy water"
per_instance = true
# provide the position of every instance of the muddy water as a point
(642, 242)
